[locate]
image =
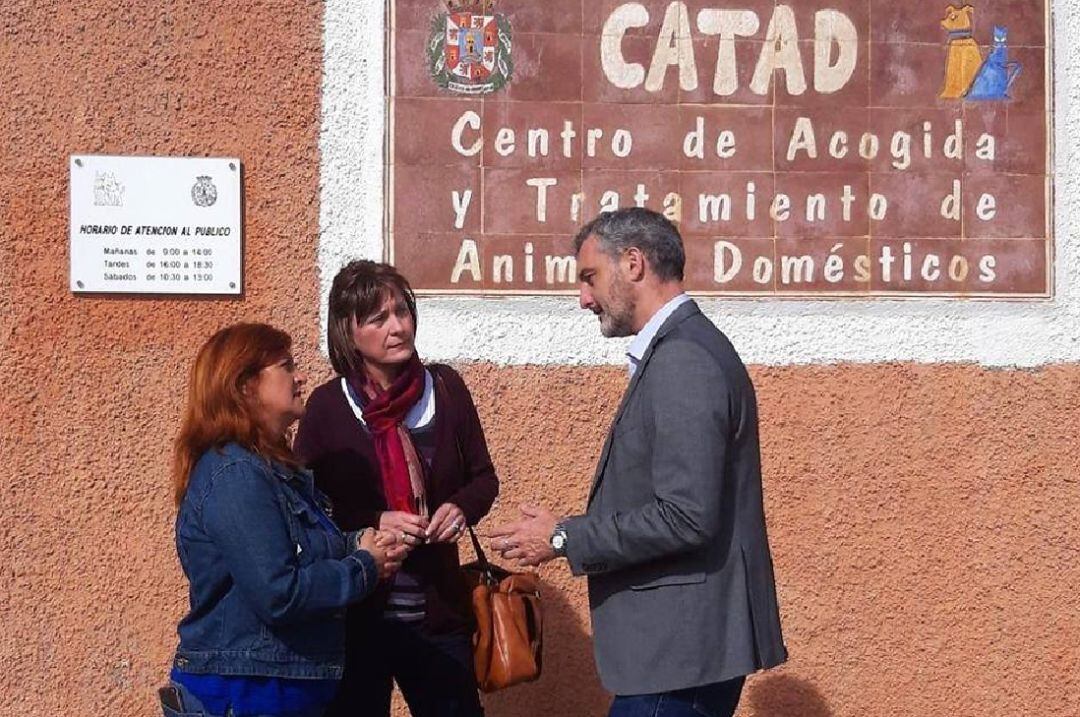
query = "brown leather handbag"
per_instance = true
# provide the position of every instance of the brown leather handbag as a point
(507, 644)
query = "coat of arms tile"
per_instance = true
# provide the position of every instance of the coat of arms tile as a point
(469, 51)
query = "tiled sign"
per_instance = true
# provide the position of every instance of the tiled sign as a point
(842, 147)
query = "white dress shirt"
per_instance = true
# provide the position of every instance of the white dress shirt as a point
(644, 337)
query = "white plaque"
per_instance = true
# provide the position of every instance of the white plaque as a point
(156, 225)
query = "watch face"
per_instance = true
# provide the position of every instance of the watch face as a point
(558, 541)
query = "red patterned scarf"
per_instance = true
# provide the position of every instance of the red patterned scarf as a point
(400, 465)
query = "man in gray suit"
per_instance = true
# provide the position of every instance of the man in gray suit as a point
(673, 541)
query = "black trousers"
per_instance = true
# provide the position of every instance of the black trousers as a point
(434, 672)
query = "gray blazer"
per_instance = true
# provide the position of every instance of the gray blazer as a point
(680, 577)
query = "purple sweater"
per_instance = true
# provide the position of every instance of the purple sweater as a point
(339, 449)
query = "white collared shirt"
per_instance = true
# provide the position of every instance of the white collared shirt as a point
(644, 337)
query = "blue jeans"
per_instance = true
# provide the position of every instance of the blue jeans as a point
(190, 706)
(716, 700)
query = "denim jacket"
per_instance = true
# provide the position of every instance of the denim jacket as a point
(268, 580)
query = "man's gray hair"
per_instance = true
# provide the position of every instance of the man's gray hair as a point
(652, 233)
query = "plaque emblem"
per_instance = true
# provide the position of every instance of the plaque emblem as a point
(469, 48)
(204, 193)
(108, 191)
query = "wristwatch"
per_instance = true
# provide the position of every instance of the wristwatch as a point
(558, 540)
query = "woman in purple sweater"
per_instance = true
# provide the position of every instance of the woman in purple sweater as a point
(398, 446)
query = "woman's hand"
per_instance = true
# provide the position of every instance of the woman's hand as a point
(409, 529)
(387, 553)
(447, 525)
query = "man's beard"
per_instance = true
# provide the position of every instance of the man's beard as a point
(617, 318)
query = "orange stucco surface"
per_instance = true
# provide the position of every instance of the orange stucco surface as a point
(923, 518)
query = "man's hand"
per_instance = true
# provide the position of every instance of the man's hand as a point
(528, 541)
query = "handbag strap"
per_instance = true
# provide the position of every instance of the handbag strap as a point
(481, 557)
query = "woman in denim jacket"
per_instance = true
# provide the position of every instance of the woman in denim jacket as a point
(269, 572)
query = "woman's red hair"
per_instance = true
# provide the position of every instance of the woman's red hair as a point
(217, 411)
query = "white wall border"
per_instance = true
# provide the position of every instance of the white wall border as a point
(553, 330)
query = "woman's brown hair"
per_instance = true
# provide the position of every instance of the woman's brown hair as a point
(359, 289)
(217, 411)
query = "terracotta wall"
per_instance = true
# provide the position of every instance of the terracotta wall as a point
(923, 518)
(90, 584)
